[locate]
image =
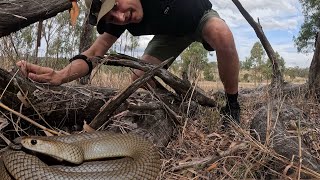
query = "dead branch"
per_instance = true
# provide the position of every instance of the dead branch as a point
(209, 160)
(103, 117)
(182, 88)
(277, 77)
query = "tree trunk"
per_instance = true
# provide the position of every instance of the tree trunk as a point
(17, 14)
(314, 74)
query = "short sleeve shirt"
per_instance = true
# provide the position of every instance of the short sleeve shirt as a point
(163, 17)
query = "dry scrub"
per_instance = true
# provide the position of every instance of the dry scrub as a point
(203, 150)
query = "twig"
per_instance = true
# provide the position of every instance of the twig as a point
(176, 118)
(34, 108)
(5, 89)
(5, 139)
(188, 109)
(178, 85)
(208, 160)
(103, 116)
(275, 155)
(300, 150)
(27, 119)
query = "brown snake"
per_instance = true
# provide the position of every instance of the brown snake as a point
(139, 159)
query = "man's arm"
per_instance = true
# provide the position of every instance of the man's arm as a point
(79, 68)
(76, 69)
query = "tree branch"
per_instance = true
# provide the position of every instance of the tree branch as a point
(277, 77)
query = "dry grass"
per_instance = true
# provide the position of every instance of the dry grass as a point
(205, 151)
(202, 150)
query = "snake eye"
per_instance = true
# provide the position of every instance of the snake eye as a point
(33, 142)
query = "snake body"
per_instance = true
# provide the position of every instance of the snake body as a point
(139, 159)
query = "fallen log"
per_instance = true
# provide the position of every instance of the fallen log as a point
(17, 14)
(68, 107)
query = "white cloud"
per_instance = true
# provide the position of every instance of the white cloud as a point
(280, 21)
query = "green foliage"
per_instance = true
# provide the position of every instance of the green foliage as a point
(311, 25)
(194, 60)
(257, 53)
(247, 64)
(262, 67)
(267, 67)
(175, 66)
(294, 72)
(257, 59)
(208, 71)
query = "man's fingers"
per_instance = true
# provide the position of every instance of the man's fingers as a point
(38, 73)
(39, 78)
(22, 67)
(32, 68)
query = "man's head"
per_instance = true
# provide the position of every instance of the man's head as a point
(119, 12)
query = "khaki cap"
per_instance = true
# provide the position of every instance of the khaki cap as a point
(106, 6)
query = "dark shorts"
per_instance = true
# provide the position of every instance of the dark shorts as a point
(166, 46)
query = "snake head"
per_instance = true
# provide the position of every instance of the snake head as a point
(56, 149)
(35, 144)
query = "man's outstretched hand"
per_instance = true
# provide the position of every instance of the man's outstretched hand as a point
(39, 73)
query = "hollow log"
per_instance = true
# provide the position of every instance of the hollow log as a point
(67, 107)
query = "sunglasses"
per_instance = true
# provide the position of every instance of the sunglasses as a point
(94, 11)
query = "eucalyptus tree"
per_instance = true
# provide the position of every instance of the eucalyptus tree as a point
(134, 44)
(126, 43)
(256, 58)
(210, 71)
(267, 67)
(18, 45)
(247, 64)
(194, 60)
(311, 25)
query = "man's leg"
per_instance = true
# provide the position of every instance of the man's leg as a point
(137, 73)
(218, 35)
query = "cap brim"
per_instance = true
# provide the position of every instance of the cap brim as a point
(106, 6)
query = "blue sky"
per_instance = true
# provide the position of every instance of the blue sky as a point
(280, 20)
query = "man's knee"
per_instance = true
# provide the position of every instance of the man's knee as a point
(217, 33)
(147, 58)
(151, 59)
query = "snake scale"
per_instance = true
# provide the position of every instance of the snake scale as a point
(87, 152)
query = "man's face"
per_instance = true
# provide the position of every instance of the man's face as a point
(125, 12)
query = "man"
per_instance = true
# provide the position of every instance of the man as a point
(175, 24)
